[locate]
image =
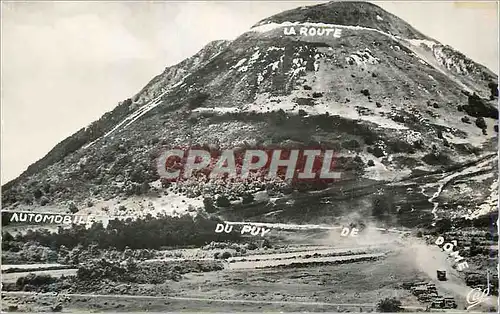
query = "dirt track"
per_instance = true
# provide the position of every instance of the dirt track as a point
(428, 259)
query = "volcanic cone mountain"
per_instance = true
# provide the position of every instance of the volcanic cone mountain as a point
(414, 123)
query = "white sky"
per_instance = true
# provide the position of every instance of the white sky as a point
(64, 64)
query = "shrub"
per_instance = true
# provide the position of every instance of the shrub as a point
(29, 288)
(127, 102)
(138, 175)
(480, 123)
(418, 144)
(198, 100)
(247, 198)
(102, 269)
(154, 140)
(278, 118)
(37, 194)
(389, 305)
(305, 101)
(476, 248)
(365, 92)
(28, 200)
(44, 201)
(371, 163)
(436, 158)
(6, 236)
(57, 308)
(226, 255)
(493, 89)
(72, 208)
(378, 152)
(439, 134)
(465, 119)
(317, 94)
(382, 205)
(399, 118)
(208, 203)
(252, 246)
(307, 87)
(356, 163)
(222, 201)
(477, 107)
(443, 225)
(35, 280)
(133, 188)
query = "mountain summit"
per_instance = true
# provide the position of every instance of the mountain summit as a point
(348, 13)
(405, 114)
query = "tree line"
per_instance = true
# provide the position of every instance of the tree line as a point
(142, 233)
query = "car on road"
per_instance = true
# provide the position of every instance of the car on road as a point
(441, 275)
(449, 303)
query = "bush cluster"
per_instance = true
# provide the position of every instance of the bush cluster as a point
(389, 305)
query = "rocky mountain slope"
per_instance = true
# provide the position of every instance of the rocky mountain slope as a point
(414, 123)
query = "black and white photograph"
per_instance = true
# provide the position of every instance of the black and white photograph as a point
(249, 156)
